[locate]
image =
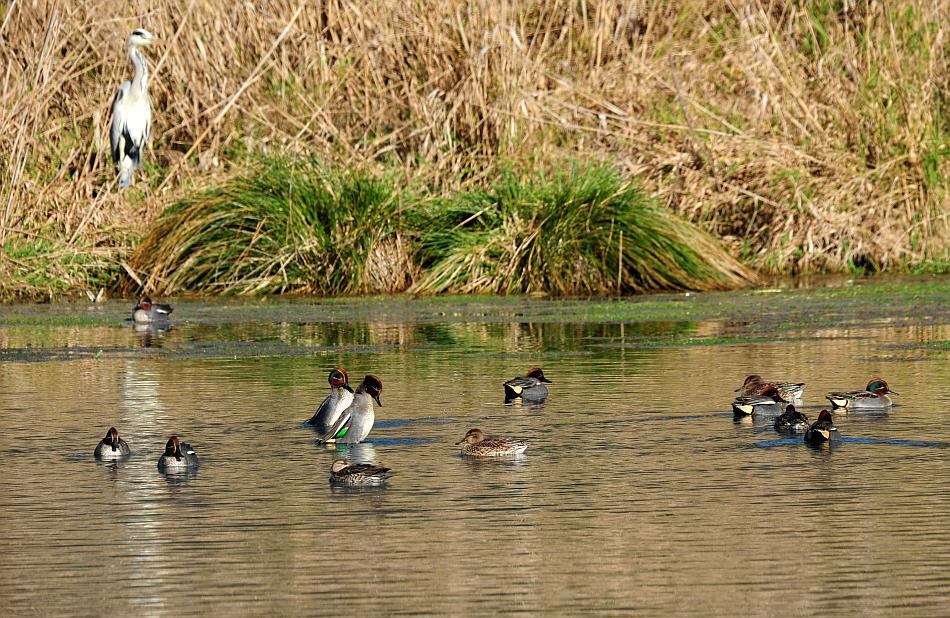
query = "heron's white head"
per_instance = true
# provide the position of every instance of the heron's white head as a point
(140, 37)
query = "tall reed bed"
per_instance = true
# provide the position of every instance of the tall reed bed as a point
(296, 226)
(809, 135)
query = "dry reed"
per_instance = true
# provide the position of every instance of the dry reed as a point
(808, 135)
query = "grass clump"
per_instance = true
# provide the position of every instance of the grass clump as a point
(40, 268)
(285, 227)
(300, 227)
(584, 231)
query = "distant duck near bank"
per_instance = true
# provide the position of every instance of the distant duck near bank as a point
(147, 312)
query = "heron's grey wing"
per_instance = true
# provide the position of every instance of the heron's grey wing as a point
(119, 121)
(343, 421)
(148, 131)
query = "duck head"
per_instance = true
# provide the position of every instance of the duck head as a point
(749, 381)
(339, 378)
(825, 417)
(173, 448)
(535, 372)
(112, 438)
(338, 466)
(879, 387)
(472, 437)
(145, 303)
(373, 386)
(774, 394)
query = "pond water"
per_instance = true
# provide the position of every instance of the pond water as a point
(638, 495)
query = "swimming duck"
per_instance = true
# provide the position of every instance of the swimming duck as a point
(529, 387)
(822, 430)
(355, 475)
(791, 420)
(178, 456)
(146, 311)
(339, 399)
(477, 445)
(112, 446)
(769, 401)
(357, 420)
(754, 385)
(874, 397)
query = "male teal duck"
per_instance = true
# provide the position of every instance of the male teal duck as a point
(112, 446)
(178, 456)
(755, 385)
(475, 444)
(146, 312)
(822, 430)
(339, 399)
(791, 421)
(357, 475)
(874, 397)
(357, 420)
(529, 387)
(768, 402)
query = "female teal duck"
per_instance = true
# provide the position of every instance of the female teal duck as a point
(874, 397)
(755, 385)
(822, 430)
(530, 387)
(146, 312)
(769, 401)
(357, 475)
(791, 421)
(339, 399)
(475, 444)
(112, 446)
(178, 456)
(357, 420)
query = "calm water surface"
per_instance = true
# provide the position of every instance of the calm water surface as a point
(638, 495)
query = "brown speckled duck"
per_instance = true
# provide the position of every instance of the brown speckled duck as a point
(475, 444)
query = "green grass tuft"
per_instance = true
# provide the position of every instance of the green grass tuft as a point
(299, 227)
(582, 231)
(286, 227)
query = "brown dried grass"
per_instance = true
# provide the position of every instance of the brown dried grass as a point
(810, 136)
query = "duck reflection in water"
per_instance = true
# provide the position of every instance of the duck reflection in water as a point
(151, 335)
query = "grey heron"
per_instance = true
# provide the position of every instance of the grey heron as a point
(132, 112)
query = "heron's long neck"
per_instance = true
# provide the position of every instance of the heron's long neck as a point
(140, 80)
